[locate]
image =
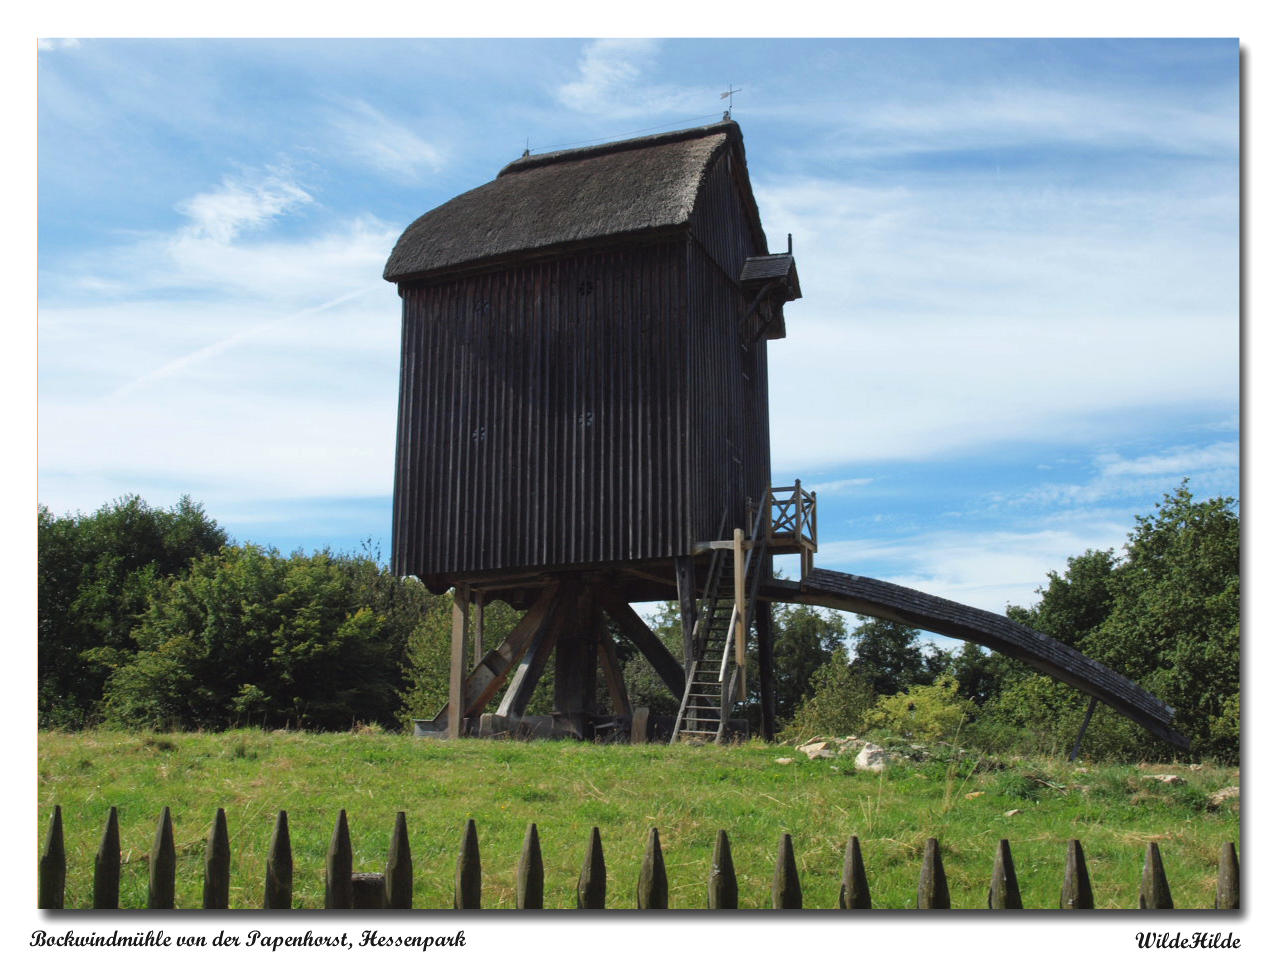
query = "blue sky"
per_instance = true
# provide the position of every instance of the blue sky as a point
(1020, 264)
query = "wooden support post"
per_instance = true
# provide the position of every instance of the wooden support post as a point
(1088, 715)
(217, 864)
(687, 594)
(722, 887)
(533, 662)
(163, 867)
(765, 659)
(278, 892)
(740, 598)
(479, 627)
(106, 866)
(529, 876)
(647, 642)
(457, 660)
(486, 679)
(855, 892)
(337, 867)
(612, 671)
(575, 666)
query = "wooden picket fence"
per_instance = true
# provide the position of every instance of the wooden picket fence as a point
(394, 887)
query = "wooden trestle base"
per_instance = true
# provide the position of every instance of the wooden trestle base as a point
(567, 617)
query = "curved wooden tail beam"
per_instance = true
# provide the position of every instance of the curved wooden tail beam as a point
(888, 601)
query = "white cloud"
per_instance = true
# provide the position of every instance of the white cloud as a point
(1215, 466)
(612, 82)
(241, 203)
(942, 317)
(382, 144)
(57, 43)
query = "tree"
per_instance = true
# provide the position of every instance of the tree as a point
(934, 711)
(95, 576)
(839, 704)
(250, 636)
(891, 658)
(804, 640)
(1166, 615)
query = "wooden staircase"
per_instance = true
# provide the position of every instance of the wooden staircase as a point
(716, 678)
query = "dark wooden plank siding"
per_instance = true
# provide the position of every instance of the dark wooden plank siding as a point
(540, 418)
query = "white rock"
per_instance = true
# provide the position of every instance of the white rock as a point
(872, 758)
(1170, 778)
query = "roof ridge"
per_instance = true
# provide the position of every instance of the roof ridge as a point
(521, 164)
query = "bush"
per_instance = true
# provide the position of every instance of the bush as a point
(838, 705)
(931, 713)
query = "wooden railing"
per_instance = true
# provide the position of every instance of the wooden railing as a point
(793, 523)
(394, 887)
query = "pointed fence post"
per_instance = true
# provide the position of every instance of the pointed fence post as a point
(466, 884)
(278, 891)
(1077, 893)
(1154, 893)
(651, 891)
(855, 893)
(217, 864)
(1004, 893)
(722, 888)
(337, 867)
(1228, 896)
(786, 879)
(932, 894)
(591, 882)
(53, 866)
(164, 863)
(529, 879)
(106, 866)
(399, 876)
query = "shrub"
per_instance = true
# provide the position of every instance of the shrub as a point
(931, 713)
(838, 705)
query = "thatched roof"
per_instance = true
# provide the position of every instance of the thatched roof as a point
(563, 199)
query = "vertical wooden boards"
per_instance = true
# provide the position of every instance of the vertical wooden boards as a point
(855, 892)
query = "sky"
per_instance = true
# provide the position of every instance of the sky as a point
(1020, 263)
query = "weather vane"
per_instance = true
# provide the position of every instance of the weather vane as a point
(729, 94)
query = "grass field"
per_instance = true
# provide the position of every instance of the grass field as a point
(566, 788)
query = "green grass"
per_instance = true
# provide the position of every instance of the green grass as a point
(566, 788)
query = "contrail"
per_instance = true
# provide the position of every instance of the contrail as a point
(204, 353)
